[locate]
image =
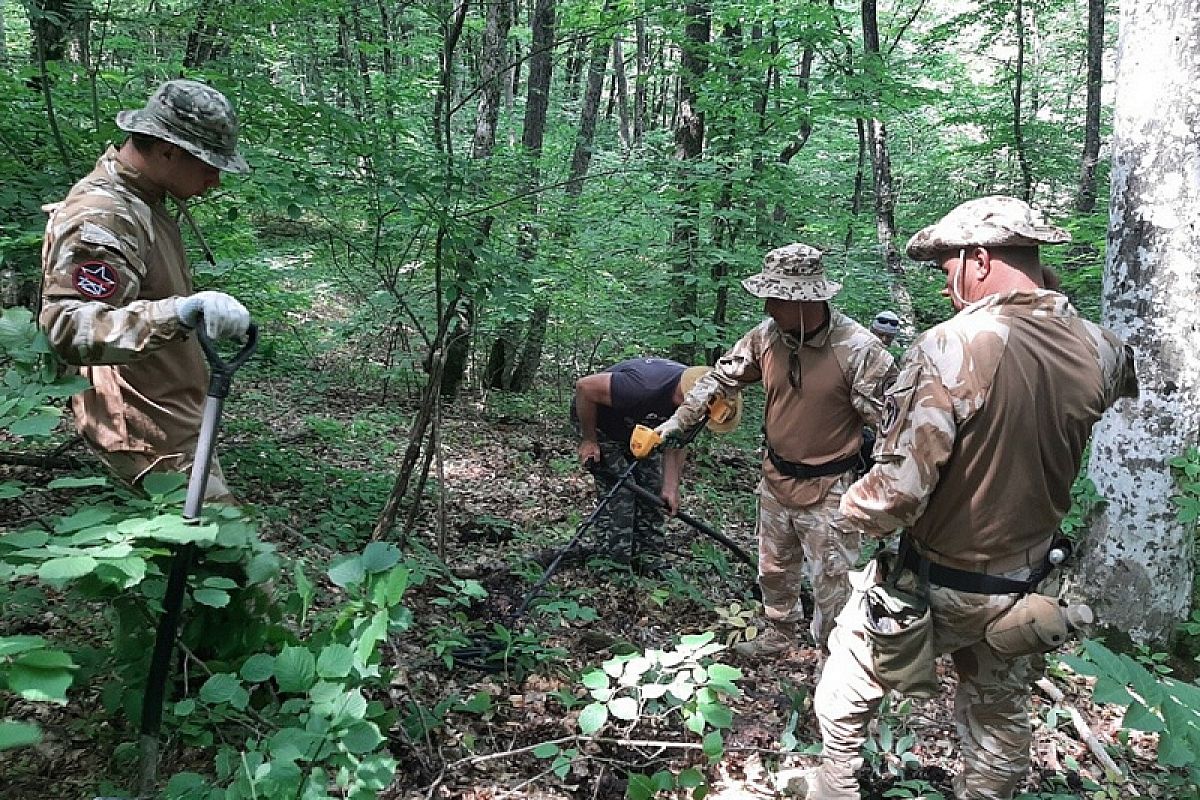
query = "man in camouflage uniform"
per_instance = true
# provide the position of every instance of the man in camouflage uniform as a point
(824, 376)
(117, 293)
(606, 407)
(982, 435)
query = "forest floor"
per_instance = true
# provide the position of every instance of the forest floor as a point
(315, 460)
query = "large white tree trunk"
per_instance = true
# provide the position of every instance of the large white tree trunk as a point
(1137, 564)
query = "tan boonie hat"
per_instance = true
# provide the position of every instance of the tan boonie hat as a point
(793, 272)
(996, 221)
(194, 116)
(688, 380)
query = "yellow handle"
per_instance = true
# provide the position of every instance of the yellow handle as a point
(643, 441)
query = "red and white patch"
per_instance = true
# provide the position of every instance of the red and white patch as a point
(96, 280)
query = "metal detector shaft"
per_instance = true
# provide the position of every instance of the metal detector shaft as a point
(648, 497)
(220, 375)
(570, 545)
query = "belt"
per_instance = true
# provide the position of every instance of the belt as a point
(794, 469)
(963, 580)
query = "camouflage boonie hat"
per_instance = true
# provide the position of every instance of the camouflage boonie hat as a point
(793, 272)
(996, 221)
(688, 379)
(194, 116)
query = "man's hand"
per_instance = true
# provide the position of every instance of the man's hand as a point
(589, 450)
(224, 317)
(671, 498)
(669, 430)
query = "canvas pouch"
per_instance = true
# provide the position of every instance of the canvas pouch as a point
(900, 626)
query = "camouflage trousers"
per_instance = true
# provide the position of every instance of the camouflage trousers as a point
(813, 542)
(991, 705)
(131, 468)
(631, 527)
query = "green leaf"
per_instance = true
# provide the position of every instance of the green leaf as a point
(18, 734)
(625, 708)
(362, 738)
(40, 422)
(33, 681)
(347, 572)
(546, 750)
(11, 489)
(1109, 691)
(592, 717)
(10, 645)
(714, 745)
(223, 687)
(215, 598)
(595, 679)
(24, 540)
(184, 708)
(85, 518)
(335, 661)
(1140, 718)
(258, 668)
(380, 556)
(639, 787)
(690, 778)
(158, 484)
(295, 670)
(76, 483)
(60, 570)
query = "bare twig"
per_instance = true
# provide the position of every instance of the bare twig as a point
(1085, 733)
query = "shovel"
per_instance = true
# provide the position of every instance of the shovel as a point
(220, 375)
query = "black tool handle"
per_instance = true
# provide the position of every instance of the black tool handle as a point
(220, 370)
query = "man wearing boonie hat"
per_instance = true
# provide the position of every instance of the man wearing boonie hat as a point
(886, 326)
(606, 407)
(117, 292)
(983, 433)
(824, 376)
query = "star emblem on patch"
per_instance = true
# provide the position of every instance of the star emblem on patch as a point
(95, 280)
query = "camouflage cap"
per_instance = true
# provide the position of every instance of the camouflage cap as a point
(688, 379)
(194, 116)
(996, 221)
(793, 272)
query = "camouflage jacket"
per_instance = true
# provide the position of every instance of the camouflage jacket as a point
(113, 267)
(819, 394)
(983, 432)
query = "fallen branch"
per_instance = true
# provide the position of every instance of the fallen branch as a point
(1085, 733)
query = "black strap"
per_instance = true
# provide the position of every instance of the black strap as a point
(960, 579)
(793, 469)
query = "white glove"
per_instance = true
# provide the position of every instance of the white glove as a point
(669, 430)
(224, 316)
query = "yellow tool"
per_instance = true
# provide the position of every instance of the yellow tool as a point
(644, 441)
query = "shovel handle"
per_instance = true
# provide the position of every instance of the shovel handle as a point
(220, 370)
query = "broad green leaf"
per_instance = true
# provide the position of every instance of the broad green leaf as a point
(11, 489)
(10, 645)
(1140, 718)
(85, 518)
(24, 540)
(45, 659)
(60, 570)
(184, 708)
(291, 744)
(76, 483)
(223, 687)
(595, 679)
(639, 787)
(215, 598)
(592, 717)
(258, 668)
(18, 734)
(546, 750)
(362, 738)
(625, 708)
(158, 484)
(42, 684)
(714, 745)
(40, 423)
(335, 661)
(1109, 691)
(375, 631)
(295, 669)
(262, 568)
(347, 572)
(690, 778)
(380, 556)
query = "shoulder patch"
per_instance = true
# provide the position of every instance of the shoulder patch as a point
(95, 280)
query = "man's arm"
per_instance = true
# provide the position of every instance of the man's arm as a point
(591, 391)
(673, 461)
(917, 434)
(872, 371)
(734, 371)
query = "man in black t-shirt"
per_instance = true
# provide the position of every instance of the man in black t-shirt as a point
(607, 406)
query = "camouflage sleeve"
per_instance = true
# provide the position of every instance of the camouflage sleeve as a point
(736, 369)
(91, 279)
(872, 371)
(917, 432)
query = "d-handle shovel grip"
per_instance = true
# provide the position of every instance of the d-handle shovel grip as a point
(222, 370)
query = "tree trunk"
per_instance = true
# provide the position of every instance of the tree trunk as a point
(881, 163)
(1137, 548)
(585, 138)
(622, 94)
(1018, 84)
(642, 81)
(1085, 199)
(689, 147)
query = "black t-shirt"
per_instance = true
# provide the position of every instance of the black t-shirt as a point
(643, 392)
